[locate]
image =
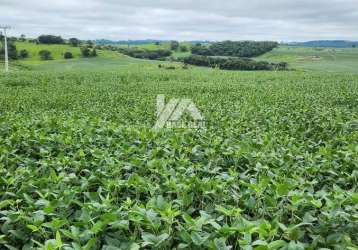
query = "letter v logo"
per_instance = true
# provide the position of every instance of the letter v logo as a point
(171, 113)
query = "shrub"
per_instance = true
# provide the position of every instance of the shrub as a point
(94, 53)
(86, 52)
(68, 55)
(23, 54)
(183, 48)
(90, 44)
(45, 55)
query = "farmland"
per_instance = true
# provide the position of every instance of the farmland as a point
(316, 59)
(275, 168)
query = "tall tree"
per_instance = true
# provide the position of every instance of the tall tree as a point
(174, 45)
(74, 42)
(49, 39)
(11, 48)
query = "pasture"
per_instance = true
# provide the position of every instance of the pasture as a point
(316, 59)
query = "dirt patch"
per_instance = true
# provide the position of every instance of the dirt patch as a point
(312, 58)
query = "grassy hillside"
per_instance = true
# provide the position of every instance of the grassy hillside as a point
(57, 51)
(308, 59)
(326, 44)
(106, 60)
(162, 45)
(316, 59)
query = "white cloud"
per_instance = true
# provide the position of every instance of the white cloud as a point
(184, 19)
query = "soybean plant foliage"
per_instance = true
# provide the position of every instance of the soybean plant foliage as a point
(275, 168)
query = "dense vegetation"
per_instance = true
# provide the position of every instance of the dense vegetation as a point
(13, 54)
(174, 45)
(74, 42)
(45, 55)
(235, 49)
(67, 55)
(233, 63)
(87, 51)
(145, 53)
(220, 62)
(50, 39)
(276, 167)
(23, 54)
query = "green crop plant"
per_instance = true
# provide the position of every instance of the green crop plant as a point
(275, 168)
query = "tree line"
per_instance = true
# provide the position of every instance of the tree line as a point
(233, 63)
(159, 54)
(234, 49)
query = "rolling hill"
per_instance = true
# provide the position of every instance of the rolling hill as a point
(326, 44)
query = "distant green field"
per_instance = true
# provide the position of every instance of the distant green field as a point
(316, 59)
(299, 58)
(302, 58)
(57, 51)
(106, 60)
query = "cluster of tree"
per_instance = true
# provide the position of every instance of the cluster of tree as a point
(174, 45)
(90, 44)
(33, 41)
(183, 48)
(233, 63)
(67, 55)
(23, 54)
(137, 42)
(22, 38)
(88, 52)
(74, 42)
(108, 47)
(234, 49)
(45, 55)
(11, 48)
(198, 49)
(159, 54)
(49, 39)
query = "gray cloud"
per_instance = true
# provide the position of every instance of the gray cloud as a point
(184, 19)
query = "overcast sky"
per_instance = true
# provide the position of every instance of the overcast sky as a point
(280, 20)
